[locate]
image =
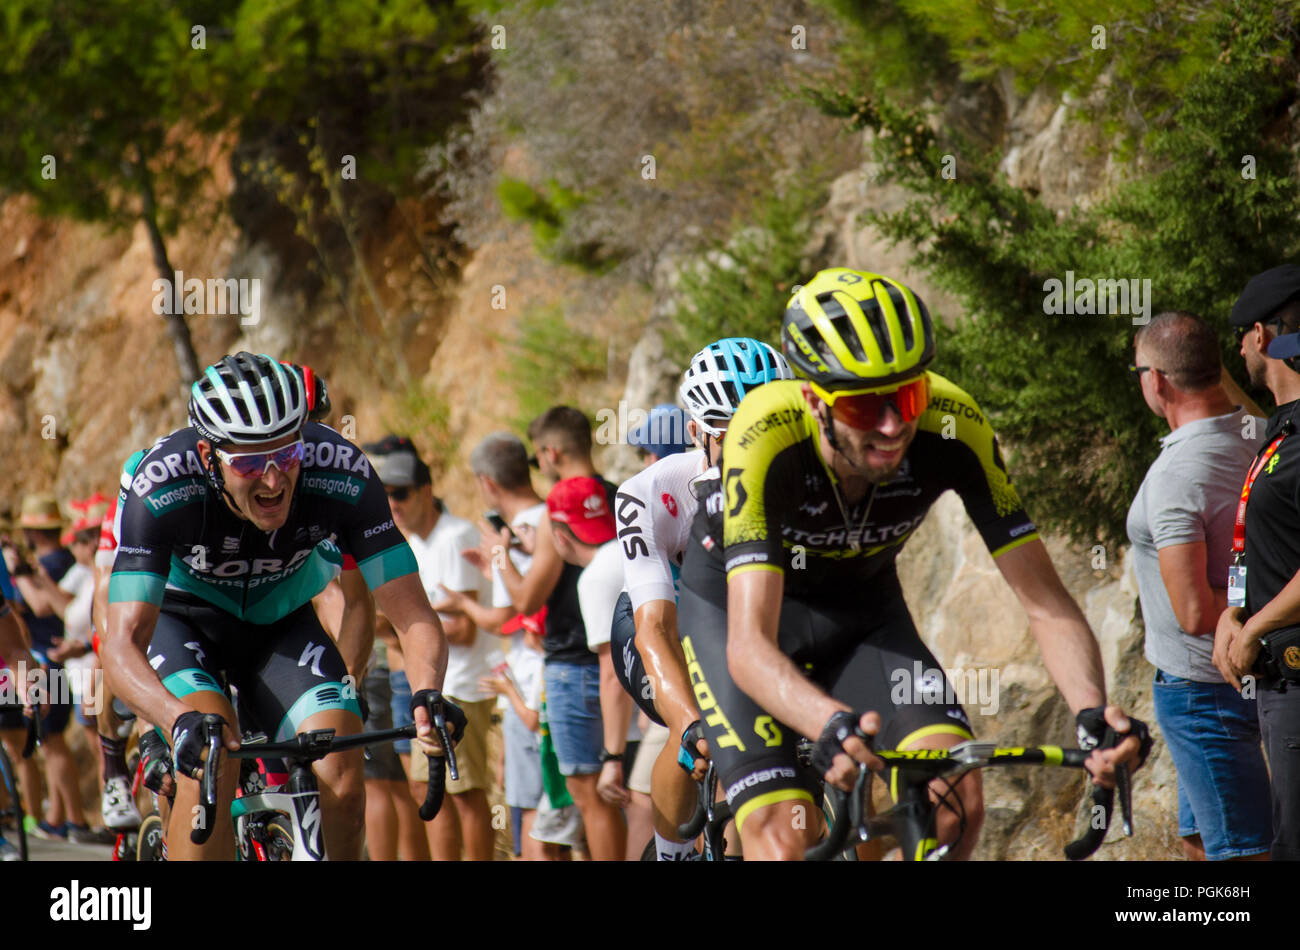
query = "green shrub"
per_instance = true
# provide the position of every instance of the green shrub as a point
(1186, 218)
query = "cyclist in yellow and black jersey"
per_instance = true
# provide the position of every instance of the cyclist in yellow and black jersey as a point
(784, 502)
(793, 618)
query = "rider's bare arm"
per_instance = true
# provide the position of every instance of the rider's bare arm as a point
(424, 645)
(129, 675)
(1069, 649)
(661, 652)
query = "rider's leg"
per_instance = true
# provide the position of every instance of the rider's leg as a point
(640, 813)
(892, 672)
(293, 680)
(781, 830)
(381, 822)
(959, 809)
(342, 786)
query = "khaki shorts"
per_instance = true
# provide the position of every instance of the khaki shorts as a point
(471, 752)
(652, 743)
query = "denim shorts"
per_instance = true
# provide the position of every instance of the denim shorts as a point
(1213, 738)
(401, 706)
(573, 712)
(523, 762)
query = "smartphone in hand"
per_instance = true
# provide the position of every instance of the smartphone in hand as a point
(495, 520)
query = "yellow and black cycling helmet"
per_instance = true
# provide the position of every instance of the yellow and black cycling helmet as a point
(846, 329)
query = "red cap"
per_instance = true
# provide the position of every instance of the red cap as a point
(581, 504)
(88, 513)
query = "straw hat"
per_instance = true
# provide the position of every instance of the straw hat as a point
(40, 511)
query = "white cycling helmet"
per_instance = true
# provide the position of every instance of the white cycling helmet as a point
(246, 399)
(720, 374)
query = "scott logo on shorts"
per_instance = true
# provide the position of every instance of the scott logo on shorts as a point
(712, 715)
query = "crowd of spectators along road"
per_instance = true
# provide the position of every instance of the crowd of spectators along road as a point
(573, 770)
(526, 594)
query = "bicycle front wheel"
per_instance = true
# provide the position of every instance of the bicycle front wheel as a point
(151, 845)
(279, 840)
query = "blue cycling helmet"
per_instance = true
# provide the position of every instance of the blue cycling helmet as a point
(663, 433)
(720, 374)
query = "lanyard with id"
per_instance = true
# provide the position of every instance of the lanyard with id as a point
(1237, 570)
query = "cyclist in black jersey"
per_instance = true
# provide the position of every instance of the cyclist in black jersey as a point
(793, 620)
(227, 530)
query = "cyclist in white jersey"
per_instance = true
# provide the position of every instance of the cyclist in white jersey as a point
(654, 510)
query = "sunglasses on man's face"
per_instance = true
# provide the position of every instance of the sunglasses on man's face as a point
(255, 464)
(398, 494)
(862, 409)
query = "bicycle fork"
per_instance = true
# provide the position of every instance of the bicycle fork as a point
(308, 842)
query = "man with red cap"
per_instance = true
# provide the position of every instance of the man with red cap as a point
(590, 736)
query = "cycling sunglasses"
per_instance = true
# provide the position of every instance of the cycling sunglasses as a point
(861, 408)
(255, 464)
(400, 493)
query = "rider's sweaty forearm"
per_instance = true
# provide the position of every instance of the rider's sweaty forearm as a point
(1072, 658)
(756, 662)
(665, 664)
(425, 649)
(775, 683)
(129, 674)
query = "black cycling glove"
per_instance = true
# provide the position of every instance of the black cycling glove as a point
(453, 714)
(830, 743)
(188, 743)
(1094, 732)
(689, 753)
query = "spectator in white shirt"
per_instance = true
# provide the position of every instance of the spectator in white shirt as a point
(438, 539)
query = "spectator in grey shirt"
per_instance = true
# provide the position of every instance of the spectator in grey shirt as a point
(1180, 525)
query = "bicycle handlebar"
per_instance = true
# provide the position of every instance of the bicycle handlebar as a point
(315, 745)
(849, 806)
(837, 835)
(438, 764)
(691, 829)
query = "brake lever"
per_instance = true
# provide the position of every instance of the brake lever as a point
(1124, 786)
(440, 724)
(212, 724)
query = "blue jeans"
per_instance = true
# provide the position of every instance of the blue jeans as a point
(1213, 738)
(573, 712)
(401, 706)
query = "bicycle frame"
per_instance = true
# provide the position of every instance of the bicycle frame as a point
(299, 800)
